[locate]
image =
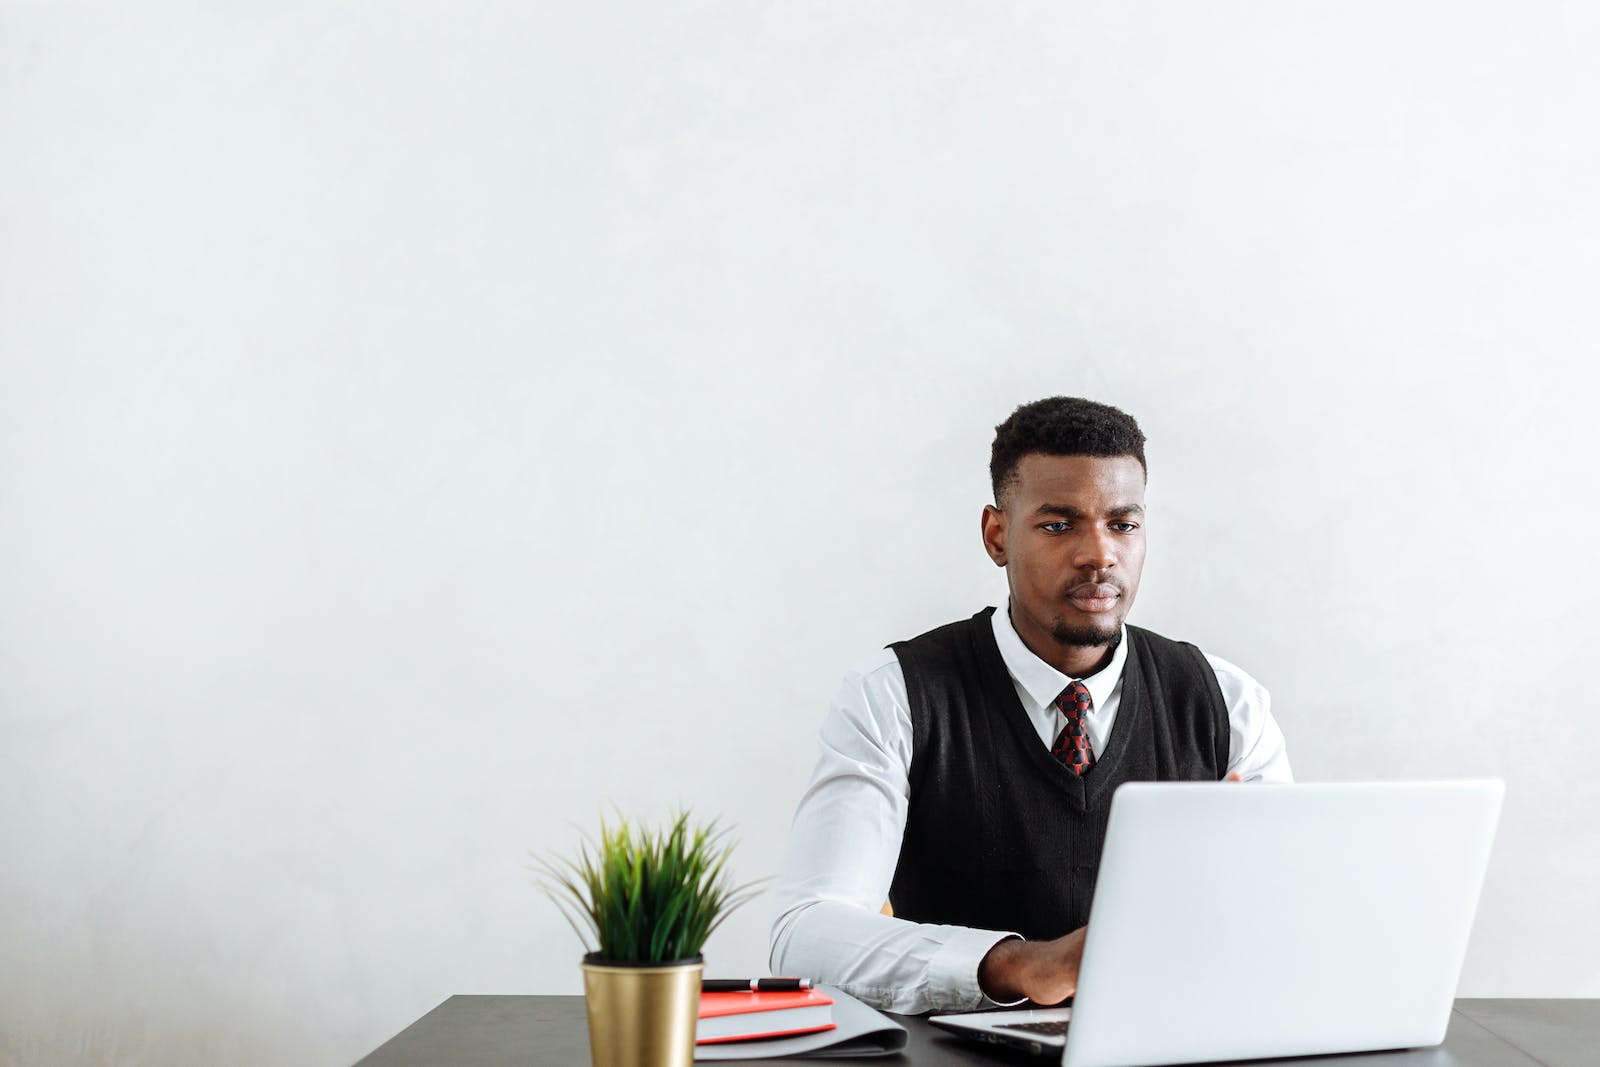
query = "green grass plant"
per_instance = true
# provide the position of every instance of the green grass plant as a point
(645, 896)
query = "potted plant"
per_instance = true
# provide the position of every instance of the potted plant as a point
(647, 900)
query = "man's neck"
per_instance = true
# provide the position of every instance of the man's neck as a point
(1075, 661)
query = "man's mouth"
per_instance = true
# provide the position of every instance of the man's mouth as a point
(1094, 598)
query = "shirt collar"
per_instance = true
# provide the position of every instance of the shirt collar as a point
(1042, 682)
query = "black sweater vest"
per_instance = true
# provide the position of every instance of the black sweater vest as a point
(1000, 836)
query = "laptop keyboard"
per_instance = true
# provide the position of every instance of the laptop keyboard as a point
(1056, 1027)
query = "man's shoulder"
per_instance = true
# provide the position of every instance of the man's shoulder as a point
(1237, 683)
(1233, 678)
(871, 697)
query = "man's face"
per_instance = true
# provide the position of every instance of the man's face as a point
(1071, 537)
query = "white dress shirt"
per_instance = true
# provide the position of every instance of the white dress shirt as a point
(845, 840)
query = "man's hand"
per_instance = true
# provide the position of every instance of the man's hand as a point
(1046, 972)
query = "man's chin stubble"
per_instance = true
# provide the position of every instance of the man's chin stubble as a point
(1085, 636)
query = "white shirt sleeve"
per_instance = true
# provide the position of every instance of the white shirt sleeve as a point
(1255, 744)
(843, 848)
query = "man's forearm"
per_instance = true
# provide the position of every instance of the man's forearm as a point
(892, 964)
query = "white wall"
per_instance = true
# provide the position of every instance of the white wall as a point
(423, 425)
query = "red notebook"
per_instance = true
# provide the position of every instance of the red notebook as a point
(743, 1016)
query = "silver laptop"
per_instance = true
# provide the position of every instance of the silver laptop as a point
(1236, 922)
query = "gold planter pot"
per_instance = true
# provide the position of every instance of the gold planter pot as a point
(642, 1014)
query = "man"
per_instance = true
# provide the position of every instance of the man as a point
(944, 855)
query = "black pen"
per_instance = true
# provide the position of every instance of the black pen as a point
(754, 985)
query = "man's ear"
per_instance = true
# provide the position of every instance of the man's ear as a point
(994, 534)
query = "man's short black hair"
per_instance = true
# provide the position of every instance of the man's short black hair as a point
(1062, 426)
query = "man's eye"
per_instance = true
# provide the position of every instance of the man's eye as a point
(1063, 526)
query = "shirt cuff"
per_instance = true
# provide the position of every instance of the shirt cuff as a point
(954, 967)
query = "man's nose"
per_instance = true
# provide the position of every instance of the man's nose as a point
(1096, 550)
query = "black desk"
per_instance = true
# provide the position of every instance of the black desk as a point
(491, 1031)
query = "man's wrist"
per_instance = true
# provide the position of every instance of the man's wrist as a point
(1000, 970)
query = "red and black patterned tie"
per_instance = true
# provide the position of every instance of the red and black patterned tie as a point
(1072, 747)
